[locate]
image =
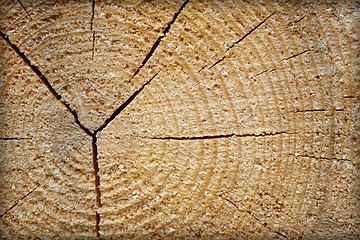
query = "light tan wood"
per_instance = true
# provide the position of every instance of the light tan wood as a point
(171, 119)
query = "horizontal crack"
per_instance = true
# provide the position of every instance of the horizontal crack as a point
(156, 44)
(318, 110)
(218, 136)
(45, 81)
(9, 209)
(321, 158)
(14, 138)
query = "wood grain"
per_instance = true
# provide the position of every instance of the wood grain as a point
(179, 119)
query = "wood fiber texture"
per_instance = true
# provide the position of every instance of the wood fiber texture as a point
(179, 119)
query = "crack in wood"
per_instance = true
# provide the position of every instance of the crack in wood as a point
(162, 35)
(319, 158)
(216, 62)
(253, 216)
(295, 55)
(24, 8)
(91, 29)
(219, 136)
(293, 23)
(124, 105)
(248, 33)
(14, 205)
(97, 183)
(37, 71)
(319, 110)
(238, 41)
(14, 138)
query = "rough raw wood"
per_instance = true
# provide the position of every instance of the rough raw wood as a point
(179, 119)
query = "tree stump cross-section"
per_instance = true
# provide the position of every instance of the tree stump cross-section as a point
(179, 119)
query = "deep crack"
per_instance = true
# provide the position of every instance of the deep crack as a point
(97, 183)
(37, 71)
(162, 35)
(219, 136)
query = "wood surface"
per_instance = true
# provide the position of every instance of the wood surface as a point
(179, 119)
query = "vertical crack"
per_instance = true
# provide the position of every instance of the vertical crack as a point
(162, 35)
(91, 29)
(37, 71)
(97, 184)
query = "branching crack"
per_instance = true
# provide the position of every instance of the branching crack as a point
(46, 82)
(24, 8)
(218, 136)
(320, 158)
(14, 205)
(95, 151)
(91, 29)
(162, 35)
(248, 33)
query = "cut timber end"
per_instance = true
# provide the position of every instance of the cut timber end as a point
(175, 119)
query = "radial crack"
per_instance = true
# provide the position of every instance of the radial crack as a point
(91, 29)
(295, 55)
(252, 215)
(248, 33)
(24, 8)
(9, 209)
(124, 105)
(97, 183)
(318, 110)
(162, 35)
(217, 62)
(321, 158)
(45, 81)
(218, 136)
(14, 138)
